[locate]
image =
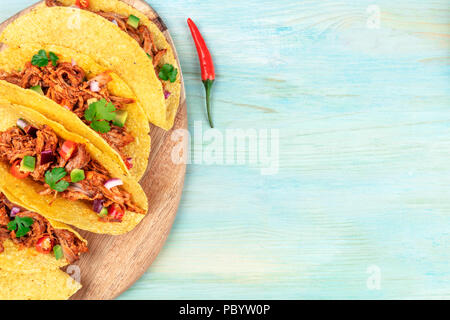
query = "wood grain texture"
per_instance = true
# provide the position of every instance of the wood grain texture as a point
(115, 263)
(364, 176)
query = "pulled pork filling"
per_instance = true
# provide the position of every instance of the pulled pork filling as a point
(71, 245)
(66, 84)
(15, 144)
(142, 34)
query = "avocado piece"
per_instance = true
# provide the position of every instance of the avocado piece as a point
(133, 21)
(77, 175)
(37, 89)
(28, 164)
(121, 118)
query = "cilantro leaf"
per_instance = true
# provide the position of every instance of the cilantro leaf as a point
(22, 225)
(168, 72)
(106, 112)
(54, 58)
(52, 178)
(89, 114)
(40, 59)
(101, 126)
(99, 113)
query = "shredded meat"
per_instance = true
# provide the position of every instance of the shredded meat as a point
(4, 235)
(11, 77)
(92, 188)
(15, 144)
(53, 3)
(66, 85)
(4, 218)
(79, 160)
(121, 101)
(142, 35)
(118, 138)
(46, 140)
(72, 246)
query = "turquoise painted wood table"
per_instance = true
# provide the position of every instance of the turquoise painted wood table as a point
(343, 189)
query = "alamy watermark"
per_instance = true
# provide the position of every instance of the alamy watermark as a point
(374, 280)
(374, 19)
(254, 147)
(74, 272)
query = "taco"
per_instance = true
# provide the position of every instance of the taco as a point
(87, 99)
(63, 176)
(91, 34)
(32, 250)
(30, 243)
(149, 37)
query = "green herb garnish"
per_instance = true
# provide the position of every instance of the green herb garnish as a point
(54, 58)
(22, 225)
(52, 178)
(168, 72)
(99, 113)
(57, 250)
(41, 59)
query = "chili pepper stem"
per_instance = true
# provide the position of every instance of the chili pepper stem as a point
(208, 86)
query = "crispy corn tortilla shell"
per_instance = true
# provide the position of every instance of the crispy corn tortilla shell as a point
(124, 9)
(90, 34)
(12, 59)
(75, 213)
(27, 260)
(49, 285)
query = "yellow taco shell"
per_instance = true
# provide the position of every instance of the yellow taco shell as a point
(51, 284)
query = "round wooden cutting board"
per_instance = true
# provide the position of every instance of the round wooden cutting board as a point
(115, 263)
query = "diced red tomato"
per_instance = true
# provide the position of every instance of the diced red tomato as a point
(67, 149)
(82, 4)
(129, 163)
(15, 170)
(115, 212)
(44, 245)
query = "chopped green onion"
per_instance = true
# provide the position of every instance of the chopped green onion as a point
(28, 164)
(133, 21)
(57, 250)
(103, 213)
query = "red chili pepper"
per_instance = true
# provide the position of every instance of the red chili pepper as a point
(206, 64)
